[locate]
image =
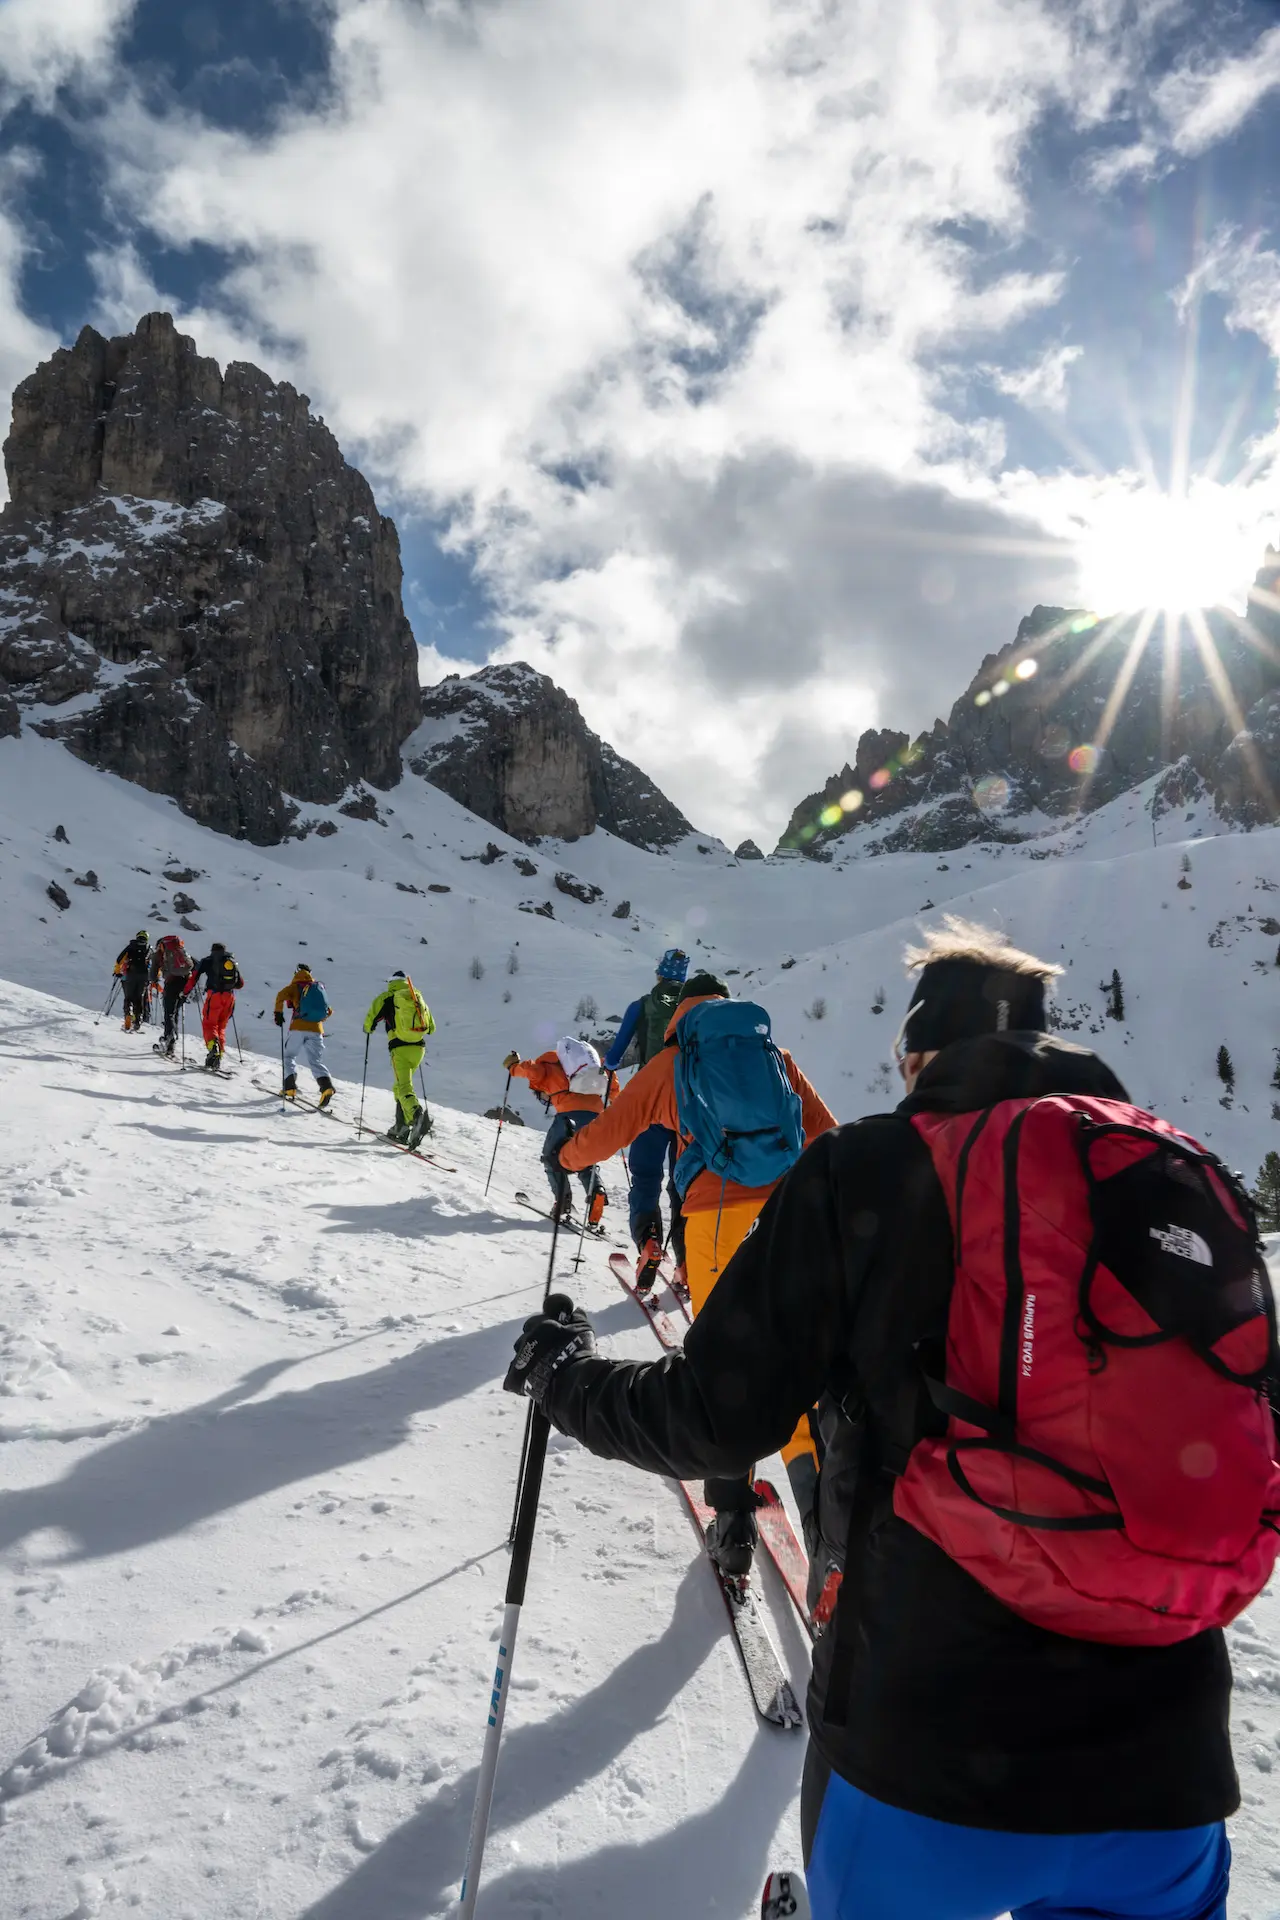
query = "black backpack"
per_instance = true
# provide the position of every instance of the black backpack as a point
(224, 974)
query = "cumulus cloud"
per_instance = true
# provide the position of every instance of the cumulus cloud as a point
(654, 310)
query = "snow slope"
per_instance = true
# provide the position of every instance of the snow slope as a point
(1196, 963)
(257, 1473)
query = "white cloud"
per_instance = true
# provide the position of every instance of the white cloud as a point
(1203, 102)
(47, 44)
(1043, 385)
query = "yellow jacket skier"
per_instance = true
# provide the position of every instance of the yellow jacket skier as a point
(401, 1009)
(307, 1002)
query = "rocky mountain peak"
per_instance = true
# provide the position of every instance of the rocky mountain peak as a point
(1072, 713)
(510, 745)
(197, 591)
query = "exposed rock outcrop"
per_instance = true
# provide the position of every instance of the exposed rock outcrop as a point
(508, 744)
(196, 590)
(1072, 714)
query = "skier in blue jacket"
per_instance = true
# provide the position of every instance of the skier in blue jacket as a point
(646, 1021)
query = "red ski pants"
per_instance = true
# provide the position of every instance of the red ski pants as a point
(214, 1016)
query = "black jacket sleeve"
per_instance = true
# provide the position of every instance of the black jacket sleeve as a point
(756, 1358)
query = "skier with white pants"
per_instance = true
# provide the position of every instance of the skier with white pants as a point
(306, 999)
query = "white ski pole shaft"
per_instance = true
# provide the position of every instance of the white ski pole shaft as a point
(527, 1519)
(488, 1765)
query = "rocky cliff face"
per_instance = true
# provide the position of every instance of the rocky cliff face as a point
(197, 592)
(508, 744)
(1072, 714)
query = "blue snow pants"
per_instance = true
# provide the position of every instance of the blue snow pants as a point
(871, 1861)
(647, 1157)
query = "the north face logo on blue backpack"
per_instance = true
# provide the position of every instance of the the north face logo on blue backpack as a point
(733, 1097)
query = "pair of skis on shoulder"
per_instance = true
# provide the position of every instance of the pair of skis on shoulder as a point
(770, 1689)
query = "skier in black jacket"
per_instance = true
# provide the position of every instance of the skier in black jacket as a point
(965, 1763)
(131, 966)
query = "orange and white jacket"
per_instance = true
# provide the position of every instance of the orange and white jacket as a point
(548, 1078)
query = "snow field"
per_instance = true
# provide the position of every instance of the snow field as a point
(256, 1474)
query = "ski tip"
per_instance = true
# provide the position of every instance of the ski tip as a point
(785, 1897)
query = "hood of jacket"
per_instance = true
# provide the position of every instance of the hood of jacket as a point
(971, 1074)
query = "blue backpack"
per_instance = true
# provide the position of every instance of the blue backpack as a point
(312, 1003)
(734, 1098)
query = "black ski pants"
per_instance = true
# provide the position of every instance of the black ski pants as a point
(135, 996)
(173, 990)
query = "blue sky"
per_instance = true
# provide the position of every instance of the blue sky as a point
(751, 370)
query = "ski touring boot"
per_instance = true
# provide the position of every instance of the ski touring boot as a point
(648, 1264)
(398, 1132)
(289, 1091)
(731, 1542)
(126, 1025)
(326, 1094)
(562, 1208)
(420, 1129)
(213, 1057)
(596, 1205)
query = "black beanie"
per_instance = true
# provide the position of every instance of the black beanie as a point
(960, 999)
(703, 986)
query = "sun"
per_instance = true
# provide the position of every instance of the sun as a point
(1146, 549)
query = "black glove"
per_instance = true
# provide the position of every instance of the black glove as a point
(279, 1019)
(558, 1333)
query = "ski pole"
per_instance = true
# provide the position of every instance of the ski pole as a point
(501, 1117)
(182, 1016)
(363, 1077)
(528, 1425)
(528, 1494)
(236, 1031)
(282, 1054)
(115, 987)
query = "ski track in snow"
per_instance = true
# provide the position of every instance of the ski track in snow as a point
(256, 1472)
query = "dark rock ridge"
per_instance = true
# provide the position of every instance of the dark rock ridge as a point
(1070, 715)
(508, 744)
(197, 591)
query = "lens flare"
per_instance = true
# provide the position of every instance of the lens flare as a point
(1026, 669)
(851, 801)
(880, 780)
(830, 817)
(1083, 759)
(991, 793)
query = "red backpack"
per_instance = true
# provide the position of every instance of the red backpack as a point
(1108, 1469)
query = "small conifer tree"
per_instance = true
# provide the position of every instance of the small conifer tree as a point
(1226, 1071)
(1266, 1193)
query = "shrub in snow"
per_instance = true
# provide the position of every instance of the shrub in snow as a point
(1226, 1071)
(587, 1008)
(877, 1005)
(818, 1011)
(513, 961)
(476, 968)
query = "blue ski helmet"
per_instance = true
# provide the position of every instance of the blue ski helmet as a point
(674, 964)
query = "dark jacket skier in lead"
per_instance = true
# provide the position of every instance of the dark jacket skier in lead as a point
(963, 1763)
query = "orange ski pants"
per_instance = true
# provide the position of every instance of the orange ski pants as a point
(707, 1253)
(214, 1016)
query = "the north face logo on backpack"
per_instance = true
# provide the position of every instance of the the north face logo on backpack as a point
(1183, 1242)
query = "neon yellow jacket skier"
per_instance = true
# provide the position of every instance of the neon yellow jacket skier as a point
(401, 1009)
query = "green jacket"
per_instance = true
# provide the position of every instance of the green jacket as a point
(401, 1009)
